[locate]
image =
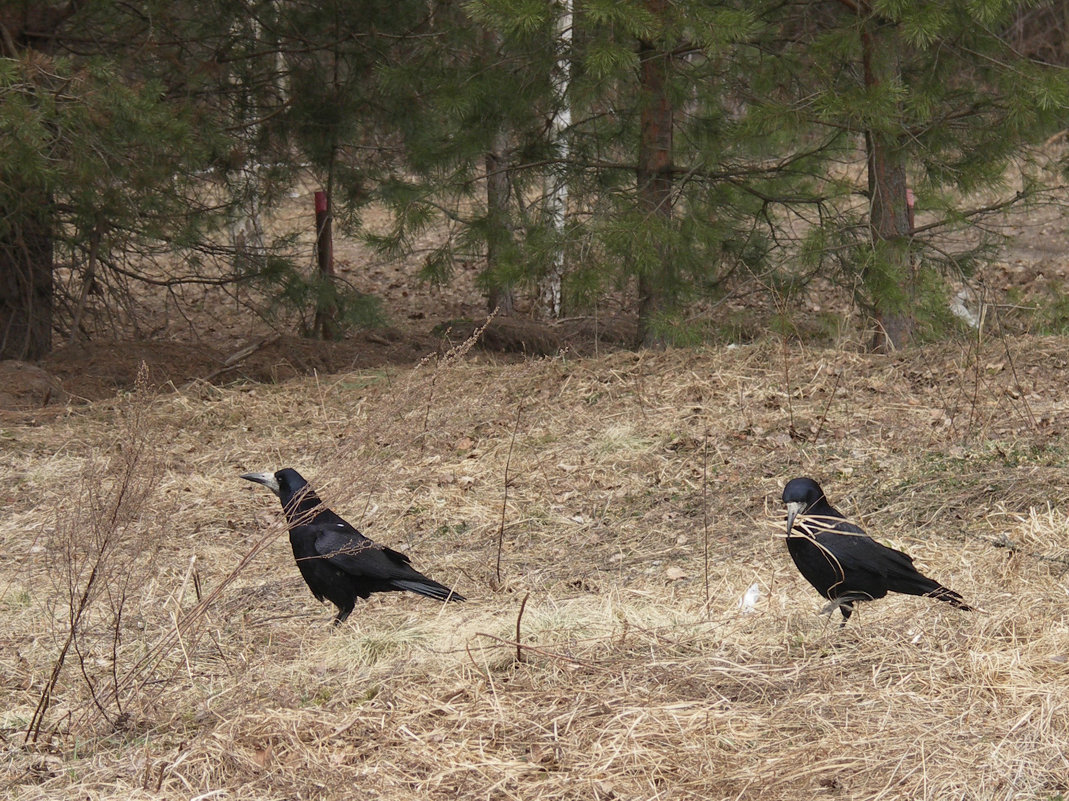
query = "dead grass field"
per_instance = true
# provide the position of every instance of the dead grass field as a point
(642, 502)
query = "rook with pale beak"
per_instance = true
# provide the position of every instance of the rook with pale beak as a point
(842, 562)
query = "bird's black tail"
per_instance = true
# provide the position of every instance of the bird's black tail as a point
(919, 584)
(429, 588)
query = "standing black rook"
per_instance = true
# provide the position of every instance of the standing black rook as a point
(844, 564)
(338, 562)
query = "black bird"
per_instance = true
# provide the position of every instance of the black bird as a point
(844, 564)
(338, 562)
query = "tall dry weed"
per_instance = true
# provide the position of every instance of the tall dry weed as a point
(99, 555)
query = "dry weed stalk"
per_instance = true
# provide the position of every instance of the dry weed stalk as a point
(451, 357)
(99, 554)
(505, 497)
(705, 517)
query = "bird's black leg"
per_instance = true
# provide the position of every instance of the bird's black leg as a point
(847, 608)
(343, 613)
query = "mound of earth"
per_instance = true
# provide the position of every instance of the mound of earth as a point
(99, 369)
(26, 386)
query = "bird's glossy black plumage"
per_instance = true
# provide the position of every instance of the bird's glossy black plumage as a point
(841, 562)
(338, 562)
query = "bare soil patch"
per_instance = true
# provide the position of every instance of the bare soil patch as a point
(98, 370)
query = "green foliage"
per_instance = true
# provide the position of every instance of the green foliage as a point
(1052, 313)
(110, 145)
(959, 104)
(456, 103)
(302, 294)
(409, 104)
(110, 155)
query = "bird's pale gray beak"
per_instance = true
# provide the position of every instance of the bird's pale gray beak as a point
(793, 508)
(267, 479)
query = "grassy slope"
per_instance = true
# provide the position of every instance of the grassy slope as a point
(620, 471)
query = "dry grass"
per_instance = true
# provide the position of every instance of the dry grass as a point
(631, 684)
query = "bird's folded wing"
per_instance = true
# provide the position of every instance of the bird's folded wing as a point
(847, 528)
(397, 556)
(852, 551)
(859, 552)
(359, 556)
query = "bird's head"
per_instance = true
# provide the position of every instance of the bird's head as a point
(287, 484)
(801, 495)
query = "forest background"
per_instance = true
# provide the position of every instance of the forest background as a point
(600, 277)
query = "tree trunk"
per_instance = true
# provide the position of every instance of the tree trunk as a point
(499, 296)
(889, 213)
(556, 187)
(27, 233)
(654, 179)
(325, 325)
(26, 242)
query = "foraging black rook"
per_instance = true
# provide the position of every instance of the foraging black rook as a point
(844, 564)
(338, 562)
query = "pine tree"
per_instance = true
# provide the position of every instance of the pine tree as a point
(936, 98)
(331, 51)
(111, 122)
(648, 101)
(703, 136)
(468, 93)
(699, 138)
(654, 170)
(671, 167)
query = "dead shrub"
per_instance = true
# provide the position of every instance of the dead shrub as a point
(99, 556)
